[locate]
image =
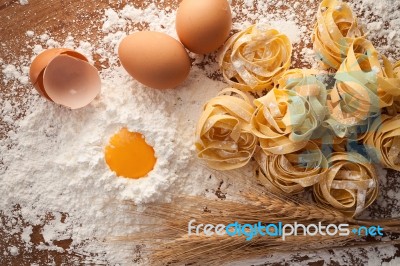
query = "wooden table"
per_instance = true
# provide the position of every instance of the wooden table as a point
(59, 17)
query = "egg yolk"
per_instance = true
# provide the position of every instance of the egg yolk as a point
(128, 154)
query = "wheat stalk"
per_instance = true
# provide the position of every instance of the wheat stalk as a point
(165, 233)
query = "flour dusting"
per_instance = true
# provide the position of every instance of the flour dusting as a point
(61, 197)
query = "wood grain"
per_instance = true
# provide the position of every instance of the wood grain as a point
(82, 19)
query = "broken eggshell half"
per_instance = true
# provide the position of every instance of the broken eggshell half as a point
(65, 76)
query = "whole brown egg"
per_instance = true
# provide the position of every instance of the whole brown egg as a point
(203, 25)
(154, 59)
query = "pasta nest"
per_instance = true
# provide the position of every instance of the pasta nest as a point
(252, 58)
(383, 141)
(350, 185)
(292, 172)
(334, 32)
(390, 86)
(363, 87)
(354, 97)
(306, 83)
(223, 136)
(283, 121)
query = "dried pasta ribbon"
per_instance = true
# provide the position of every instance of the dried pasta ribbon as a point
(334, 32)
(223, 136)
(383, 141)
(328, 141)
(283, 121)
(350, 185)
(396, 69)
(389, 84)
(291, 173)
(251, 58)
(354, 97)
(306, 84)
(394, 109)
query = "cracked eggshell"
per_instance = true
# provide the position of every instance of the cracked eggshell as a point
(65, 76)
(40, 63)
(71, 82)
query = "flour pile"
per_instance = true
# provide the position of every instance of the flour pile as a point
(57, 160)
(54, 180)
(53, 161)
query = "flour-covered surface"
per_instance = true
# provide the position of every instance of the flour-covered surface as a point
(60, 202)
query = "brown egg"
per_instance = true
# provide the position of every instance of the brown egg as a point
(203, 25)
(64, 76)
(154, 59)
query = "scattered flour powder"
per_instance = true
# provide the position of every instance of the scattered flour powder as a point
(52, 161)
(23, 2)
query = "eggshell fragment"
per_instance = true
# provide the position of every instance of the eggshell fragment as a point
(154, 59)
(203, 25)
(71, 82)
(60, 69)
(40, 63)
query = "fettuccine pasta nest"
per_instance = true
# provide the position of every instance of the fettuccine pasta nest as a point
(306, 83)
(307, 129)
(350, 185)
(354, 97)
(223, 136)
(252, 58)
(292, 172)
(283, 121)
(334, 32)
(363, 87)
(391, 85)
(388, 82)
(383, 141)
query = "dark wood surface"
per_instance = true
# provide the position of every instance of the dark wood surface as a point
(60, 17)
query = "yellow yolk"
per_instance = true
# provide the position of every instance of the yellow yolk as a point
(129, 155)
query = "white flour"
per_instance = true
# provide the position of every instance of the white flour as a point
(52, 160)
(382, 22)
(23, 2)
